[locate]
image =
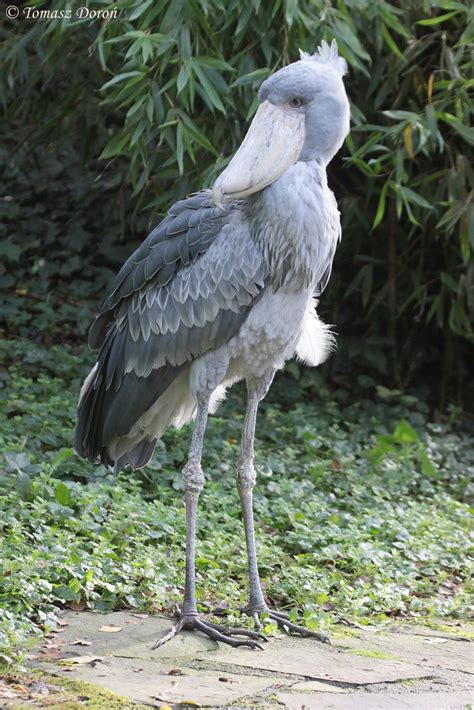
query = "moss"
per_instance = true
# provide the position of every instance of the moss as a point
(72, 695)
(457, 631)
(91, 696)
(342, 631)
(372, 654)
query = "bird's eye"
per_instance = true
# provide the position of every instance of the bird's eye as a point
(296, 103)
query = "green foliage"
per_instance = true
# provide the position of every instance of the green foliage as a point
(163, 93)
(360, 507)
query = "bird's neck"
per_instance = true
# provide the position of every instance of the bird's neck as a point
(293, 222)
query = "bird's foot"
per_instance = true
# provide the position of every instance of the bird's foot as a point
(283, 622)
(216, 632)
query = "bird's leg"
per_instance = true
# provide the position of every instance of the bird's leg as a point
(193, 484)
(257, 607)
(245, 483)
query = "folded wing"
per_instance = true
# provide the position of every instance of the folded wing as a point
(185, 291)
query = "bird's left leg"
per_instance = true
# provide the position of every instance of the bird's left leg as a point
(257, 607)
(193, 484)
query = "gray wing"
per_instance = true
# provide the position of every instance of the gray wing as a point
(185, 291)
(327, 255)
(189, 229)
(324, 280)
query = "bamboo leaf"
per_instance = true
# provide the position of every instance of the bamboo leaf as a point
(407, 137)
(209, 91)
(430, 87)
(467, 133)
(429, 22)
(392, 44)
(120, 77)
(116, 145)
(139, 9)
(183, 77)
(381, 206)
(179, 147)
(252, 77)
(414, 197)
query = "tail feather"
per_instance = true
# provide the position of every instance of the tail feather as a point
(137, 457)
(106, 414)
(174, 407)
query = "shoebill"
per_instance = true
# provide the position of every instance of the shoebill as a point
(222, 290)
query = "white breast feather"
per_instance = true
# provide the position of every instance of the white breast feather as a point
(316, 341)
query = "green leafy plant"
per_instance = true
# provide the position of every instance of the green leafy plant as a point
(360, 508)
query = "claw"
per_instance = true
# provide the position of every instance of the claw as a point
(167, 637)
(258, 623)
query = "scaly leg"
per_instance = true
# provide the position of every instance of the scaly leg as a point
(193, 485)
(257, 389)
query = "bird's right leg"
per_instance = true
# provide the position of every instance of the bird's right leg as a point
(193, 484)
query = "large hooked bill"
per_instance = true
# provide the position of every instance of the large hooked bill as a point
(272, 144)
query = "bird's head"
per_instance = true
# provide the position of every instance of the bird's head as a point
(303, 115)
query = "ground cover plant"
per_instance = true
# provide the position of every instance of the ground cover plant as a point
(361, 507)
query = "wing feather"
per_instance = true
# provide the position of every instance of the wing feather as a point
(185, 291)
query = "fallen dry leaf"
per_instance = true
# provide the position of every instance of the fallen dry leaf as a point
(51, 650)
(174, 671)
(39, 687)
(110, 629)
(83, 660)
(80, 642)
(141, 616)
(436, 640)
(137, 670)
(7, 693)
(78, 606)
(163, 695)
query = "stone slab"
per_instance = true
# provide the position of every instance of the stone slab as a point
(136, 637)
(375, 701)
(298, 673)
(316, 686)
(308, 658)
(431, 651)
(144, 682)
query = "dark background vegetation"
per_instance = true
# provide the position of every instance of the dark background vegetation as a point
(112, 121)
(364, 465)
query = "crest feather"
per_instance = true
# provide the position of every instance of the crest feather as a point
(326, 54)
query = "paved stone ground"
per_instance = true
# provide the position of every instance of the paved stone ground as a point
(401, 666)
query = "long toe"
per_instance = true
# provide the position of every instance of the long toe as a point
(216, 632)
(284, 623)
(231, 631)
(212, 630)
(169, 635)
